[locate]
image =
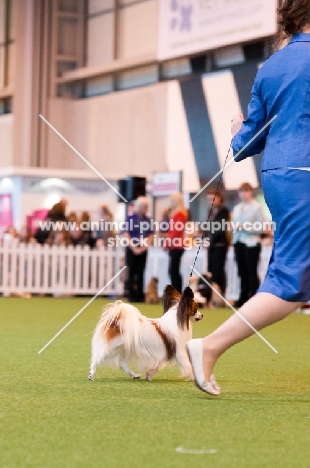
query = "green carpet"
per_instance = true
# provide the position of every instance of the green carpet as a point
(52, 416)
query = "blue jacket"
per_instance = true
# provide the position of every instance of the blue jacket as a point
(282, 88)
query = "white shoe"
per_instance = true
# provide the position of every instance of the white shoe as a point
(195, 354)
(214, 383)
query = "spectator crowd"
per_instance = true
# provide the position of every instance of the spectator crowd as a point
(58, 228)
(62, 229)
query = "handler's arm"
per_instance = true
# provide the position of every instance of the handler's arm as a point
(251, 126)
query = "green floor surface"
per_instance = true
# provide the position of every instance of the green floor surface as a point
(52, 416)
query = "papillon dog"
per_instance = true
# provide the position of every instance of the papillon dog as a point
(124, 335)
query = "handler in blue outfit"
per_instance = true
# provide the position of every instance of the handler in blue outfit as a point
(281, 90)
(140, 236)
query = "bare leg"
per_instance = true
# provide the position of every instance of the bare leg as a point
(260, 311)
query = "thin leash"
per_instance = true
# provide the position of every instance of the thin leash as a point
(203, 234)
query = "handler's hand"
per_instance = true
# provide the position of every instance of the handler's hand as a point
(236, 124)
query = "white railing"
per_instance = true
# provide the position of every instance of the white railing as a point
(38, 269)
(157, 265)
(61, 271)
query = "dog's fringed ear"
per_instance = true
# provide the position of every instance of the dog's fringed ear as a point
(170, 297)
(184, 307)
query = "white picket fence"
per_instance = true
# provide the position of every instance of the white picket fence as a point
(157, 265)
(62, 271)
(59, 270)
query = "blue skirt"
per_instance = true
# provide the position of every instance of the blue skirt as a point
(287, 194)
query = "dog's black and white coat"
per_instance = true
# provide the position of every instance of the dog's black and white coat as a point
(124, 335)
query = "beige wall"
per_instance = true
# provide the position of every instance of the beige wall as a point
(138, 30)
(6, 139)
(137, 26)
(120, 133)
(100, 31)
(27, 82)
(134, 132)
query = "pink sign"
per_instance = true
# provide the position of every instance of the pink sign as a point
(33, 219)
(6, 211)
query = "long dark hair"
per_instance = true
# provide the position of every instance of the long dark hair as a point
(218, 193)
(293, 17)
(187, 307)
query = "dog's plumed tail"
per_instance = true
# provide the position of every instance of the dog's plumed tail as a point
(123, 320)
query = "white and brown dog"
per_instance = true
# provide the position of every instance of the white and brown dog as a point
(124, 335)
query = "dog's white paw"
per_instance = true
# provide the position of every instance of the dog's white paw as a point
(136, 376)
(90, 377)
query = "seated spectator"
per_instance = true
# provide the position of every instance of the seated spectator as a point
(86, 237)
(25, 236)
(75, 230)
(10, 233)
(56, 214)
(102, 235)
(64, 203)
(59, 238)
